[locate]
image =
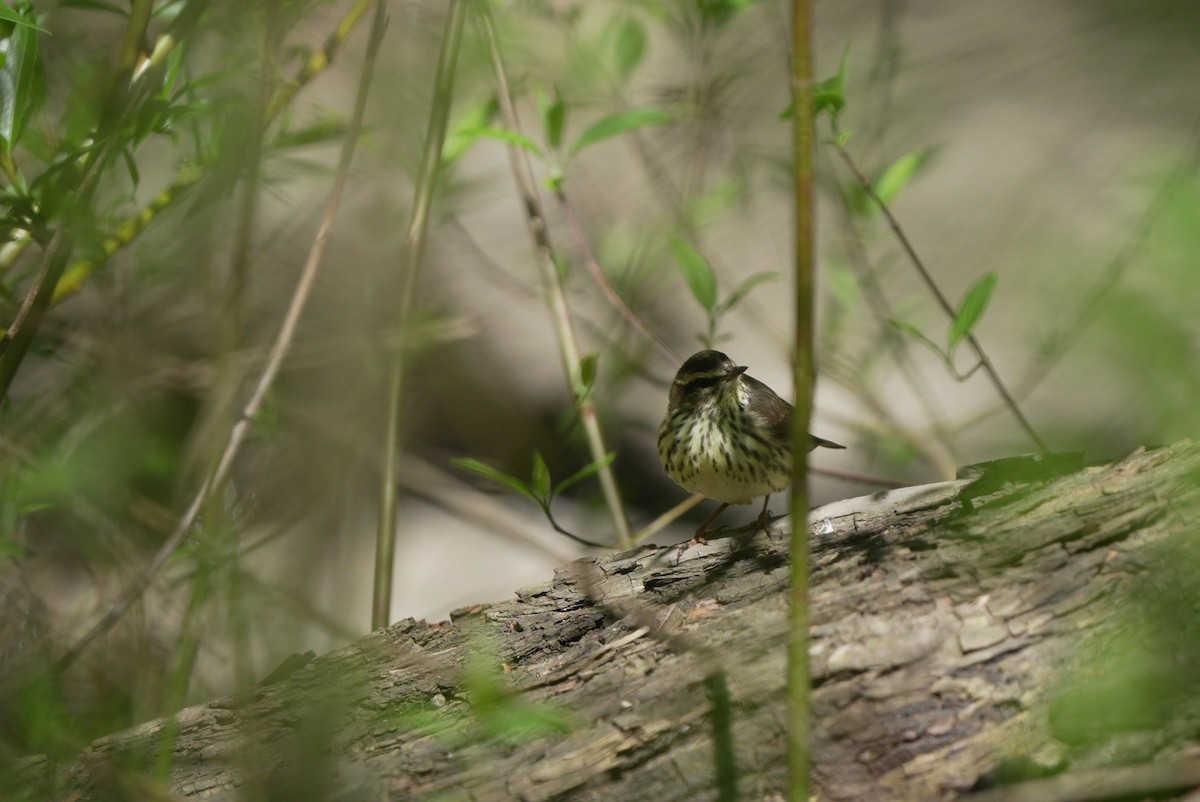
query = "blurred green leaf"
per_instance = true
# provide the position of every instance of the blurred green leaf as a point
(619, 123)
(697, 272)
(720, 12)
(514, 722)
(512, 138)
(843, 285)
(18, 95)
(899, 173)
(7, 13)
(585, 472)
(540, 482)
(503, 716)
(135, 176)
(971, 310)
(913, 331)
(488, 472)
(553, 114)
(466, 129)
(829, 95)
(321, 132)
(629, 46)
(743, 289)
(587, 370)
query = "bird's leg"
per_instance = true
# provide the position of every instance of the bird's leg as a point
(764, 516)
(698, 538)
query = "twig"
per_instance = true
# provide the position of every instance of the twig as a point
(568, 348)
(414, 248)
(279, 350)
(1009, 401)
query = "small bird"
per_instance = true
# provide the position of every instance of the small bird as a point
(727, 435)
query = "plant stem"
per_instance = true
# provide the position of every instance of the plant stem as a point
(414, 248)
(799, 714)
(559, 313)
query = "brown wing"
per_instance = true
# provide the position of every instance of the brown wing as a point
(777, 413)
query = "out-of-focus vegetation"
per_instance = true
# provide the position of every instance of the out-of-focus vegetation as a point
(164, 166)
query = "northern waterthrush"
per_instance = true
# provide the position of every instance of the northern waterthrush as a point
(727, 435)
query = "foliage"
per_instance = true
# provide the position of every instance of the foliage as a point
(157, 191)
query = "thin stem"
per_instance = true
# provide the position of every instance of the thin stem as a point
(279, 349)
(799, 714)
(944, 302)
(559, 313)
(414, 248)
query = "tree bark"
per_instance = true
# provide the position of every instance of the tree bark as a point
(948, 622)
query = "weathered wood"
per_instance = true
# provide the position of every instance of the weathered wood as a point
(935, 633)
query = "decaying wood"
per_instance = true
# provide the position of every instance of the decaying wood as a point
(941, 617)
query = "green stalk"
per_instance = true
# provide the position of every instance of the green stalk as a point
(560, 314)
(414, 248)
(799, 714)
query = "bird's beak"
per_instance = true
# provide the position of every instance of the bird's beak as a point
(738, 371)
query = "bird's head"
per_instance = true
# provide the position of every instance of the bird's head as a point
(703, 378)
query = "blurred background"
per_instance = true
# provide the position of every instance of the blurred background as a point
(1051, 144)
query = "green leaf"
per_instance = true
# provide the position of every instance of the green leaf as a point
(913, 331)
(488, 472)
(17, 82)
(135, 176)
(321, 132)
(899, 173)
(720, 12)
(587, 370)
(17, 18)
(697, 272)
(553, 113)
(829, 95)
(629, 46)
(514, 722)
(512, 138)
(540, 483)
(743, 289)
(466, 129)
(585, 472)
(971, 310)
(619, 123)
